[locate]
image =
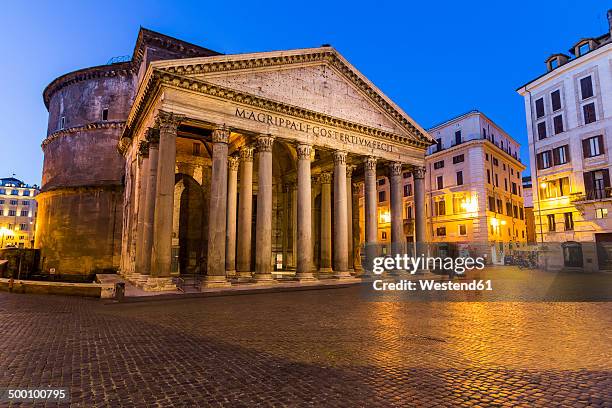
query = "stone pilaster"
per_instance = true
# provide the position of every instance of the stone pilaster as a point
(325, 265)
(245, 214)
(304, 268)
(215, 271)
(263, 237)
(398, 240)
(161, 260)
(356, 231)
(143, 175)
(340, 217)
(232, 200)
(149, 209)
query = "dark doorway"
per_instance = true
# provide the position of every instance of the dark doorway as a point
(572, 254)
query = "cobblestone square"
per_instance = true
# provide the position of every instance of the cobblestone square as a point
(309, 348)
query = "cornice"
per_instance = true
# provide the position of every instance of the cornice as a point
(160, 78)
(324, 54)
(59, 190)
(85, 128)
(101, 71)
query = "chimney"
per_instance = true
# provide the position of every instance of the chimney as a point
(610, 20)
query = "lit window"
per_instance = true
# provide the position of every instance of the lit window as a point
(462, 229)
(601, 213)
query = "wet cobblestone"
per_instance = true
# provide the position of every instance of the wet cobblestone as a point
(312, 348)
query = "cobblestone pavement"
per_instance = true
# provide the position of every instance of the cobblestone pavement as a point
(311, 348)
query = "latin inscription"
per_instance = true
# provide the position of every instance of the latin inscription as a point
(317, 131)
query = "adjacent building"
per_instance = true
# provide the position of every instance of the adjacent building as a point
(473, 189)
(529, 216)
(569, 125)
(17, 213)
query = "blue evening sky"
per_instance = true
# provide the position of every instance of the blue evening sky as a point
(435, 59)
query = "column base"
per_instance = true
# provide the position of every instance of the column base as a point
(305, 277)
(158, 284)
(243, 276)
(264, 278)
(215, 281)
(138, 279)
(342, 275)
(230, 273)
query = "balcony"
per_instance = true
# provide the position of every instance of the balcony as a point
(592, 195)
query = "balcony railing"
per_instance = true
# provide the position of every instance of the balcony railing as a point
(590, 195)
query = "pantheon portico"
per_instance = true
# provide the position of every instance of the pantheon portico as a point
(238, 166)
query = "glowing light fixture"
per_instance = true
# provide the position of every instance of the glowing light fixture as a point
(384, 217)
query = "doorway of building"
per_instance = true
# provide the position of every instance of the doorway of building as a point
(604, 251)
(572, 254)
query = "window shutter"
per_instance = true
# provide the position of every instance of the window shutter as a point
(586, 151)
(555, 156)
(539, 161)
(606, 177)
(588, 182)
(567, 153)
(601, 145)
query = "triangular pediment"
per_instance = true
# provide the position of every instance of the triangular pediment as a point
(319, 80)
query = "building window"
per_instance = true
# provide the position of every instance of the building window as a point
(23, 227)
(514, 191)
(459, 178)
(13, 202)
(488, 176)
(496, 180)
(409, 212)
(439, 164)
(593, 146)
(589, 113)
(407, 174)
(596, 184)
(381, 182)
(601, 213)
(407, 190)
(458, 137)
(561, 155)
(105, 114)
(15, 192)
(23, 213)
(26, 202)
(583, 49)
(554, 188)
(586, 87)
(509, 209)
(440, 207)
(458, 159)
(500, 206)
(521, 213)
(555, 100)
(12, 213)
(441, 231)
(539, 107)
(558, 124)
(492, 204)
(551, 222)
(515, 211)
(383, 235)
(505, 184)
(62, 122)
(542, 130)
(462, 229)
(440, 181)
(495, 161)
(438, 144)
(544, 160)
(26, 193)
(381, 196)
(487, 156)
(569, 221)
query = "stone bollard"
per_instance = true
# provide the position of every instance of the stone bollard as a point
(119, 291)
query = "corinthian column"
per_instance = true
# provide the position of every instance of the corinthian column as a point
(418, 174)
(340, 217)
(397, 224)
(143, 174)
(304, 213)
(371, 224)
(263, 238)
(349, 216)
(356, 244)
(245, 213)
(152, 138)
(164, 204)
(217, 224)
(232, 196)
(325, 265)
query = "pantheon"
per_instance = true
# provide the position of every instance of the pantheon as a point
(181, 160)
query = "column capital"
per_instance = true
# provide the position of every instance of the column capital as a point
(304, 151)
(246, 153)
(395, 169)
(152, 136)
(356, 188)
(314, 180)
(340, 157)
(349, 169)
(233, 163)
(264, 143)
(370, 163)
(325, 178)
(418, 172)
(168, 121)
(221, 134)
(143, 148)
